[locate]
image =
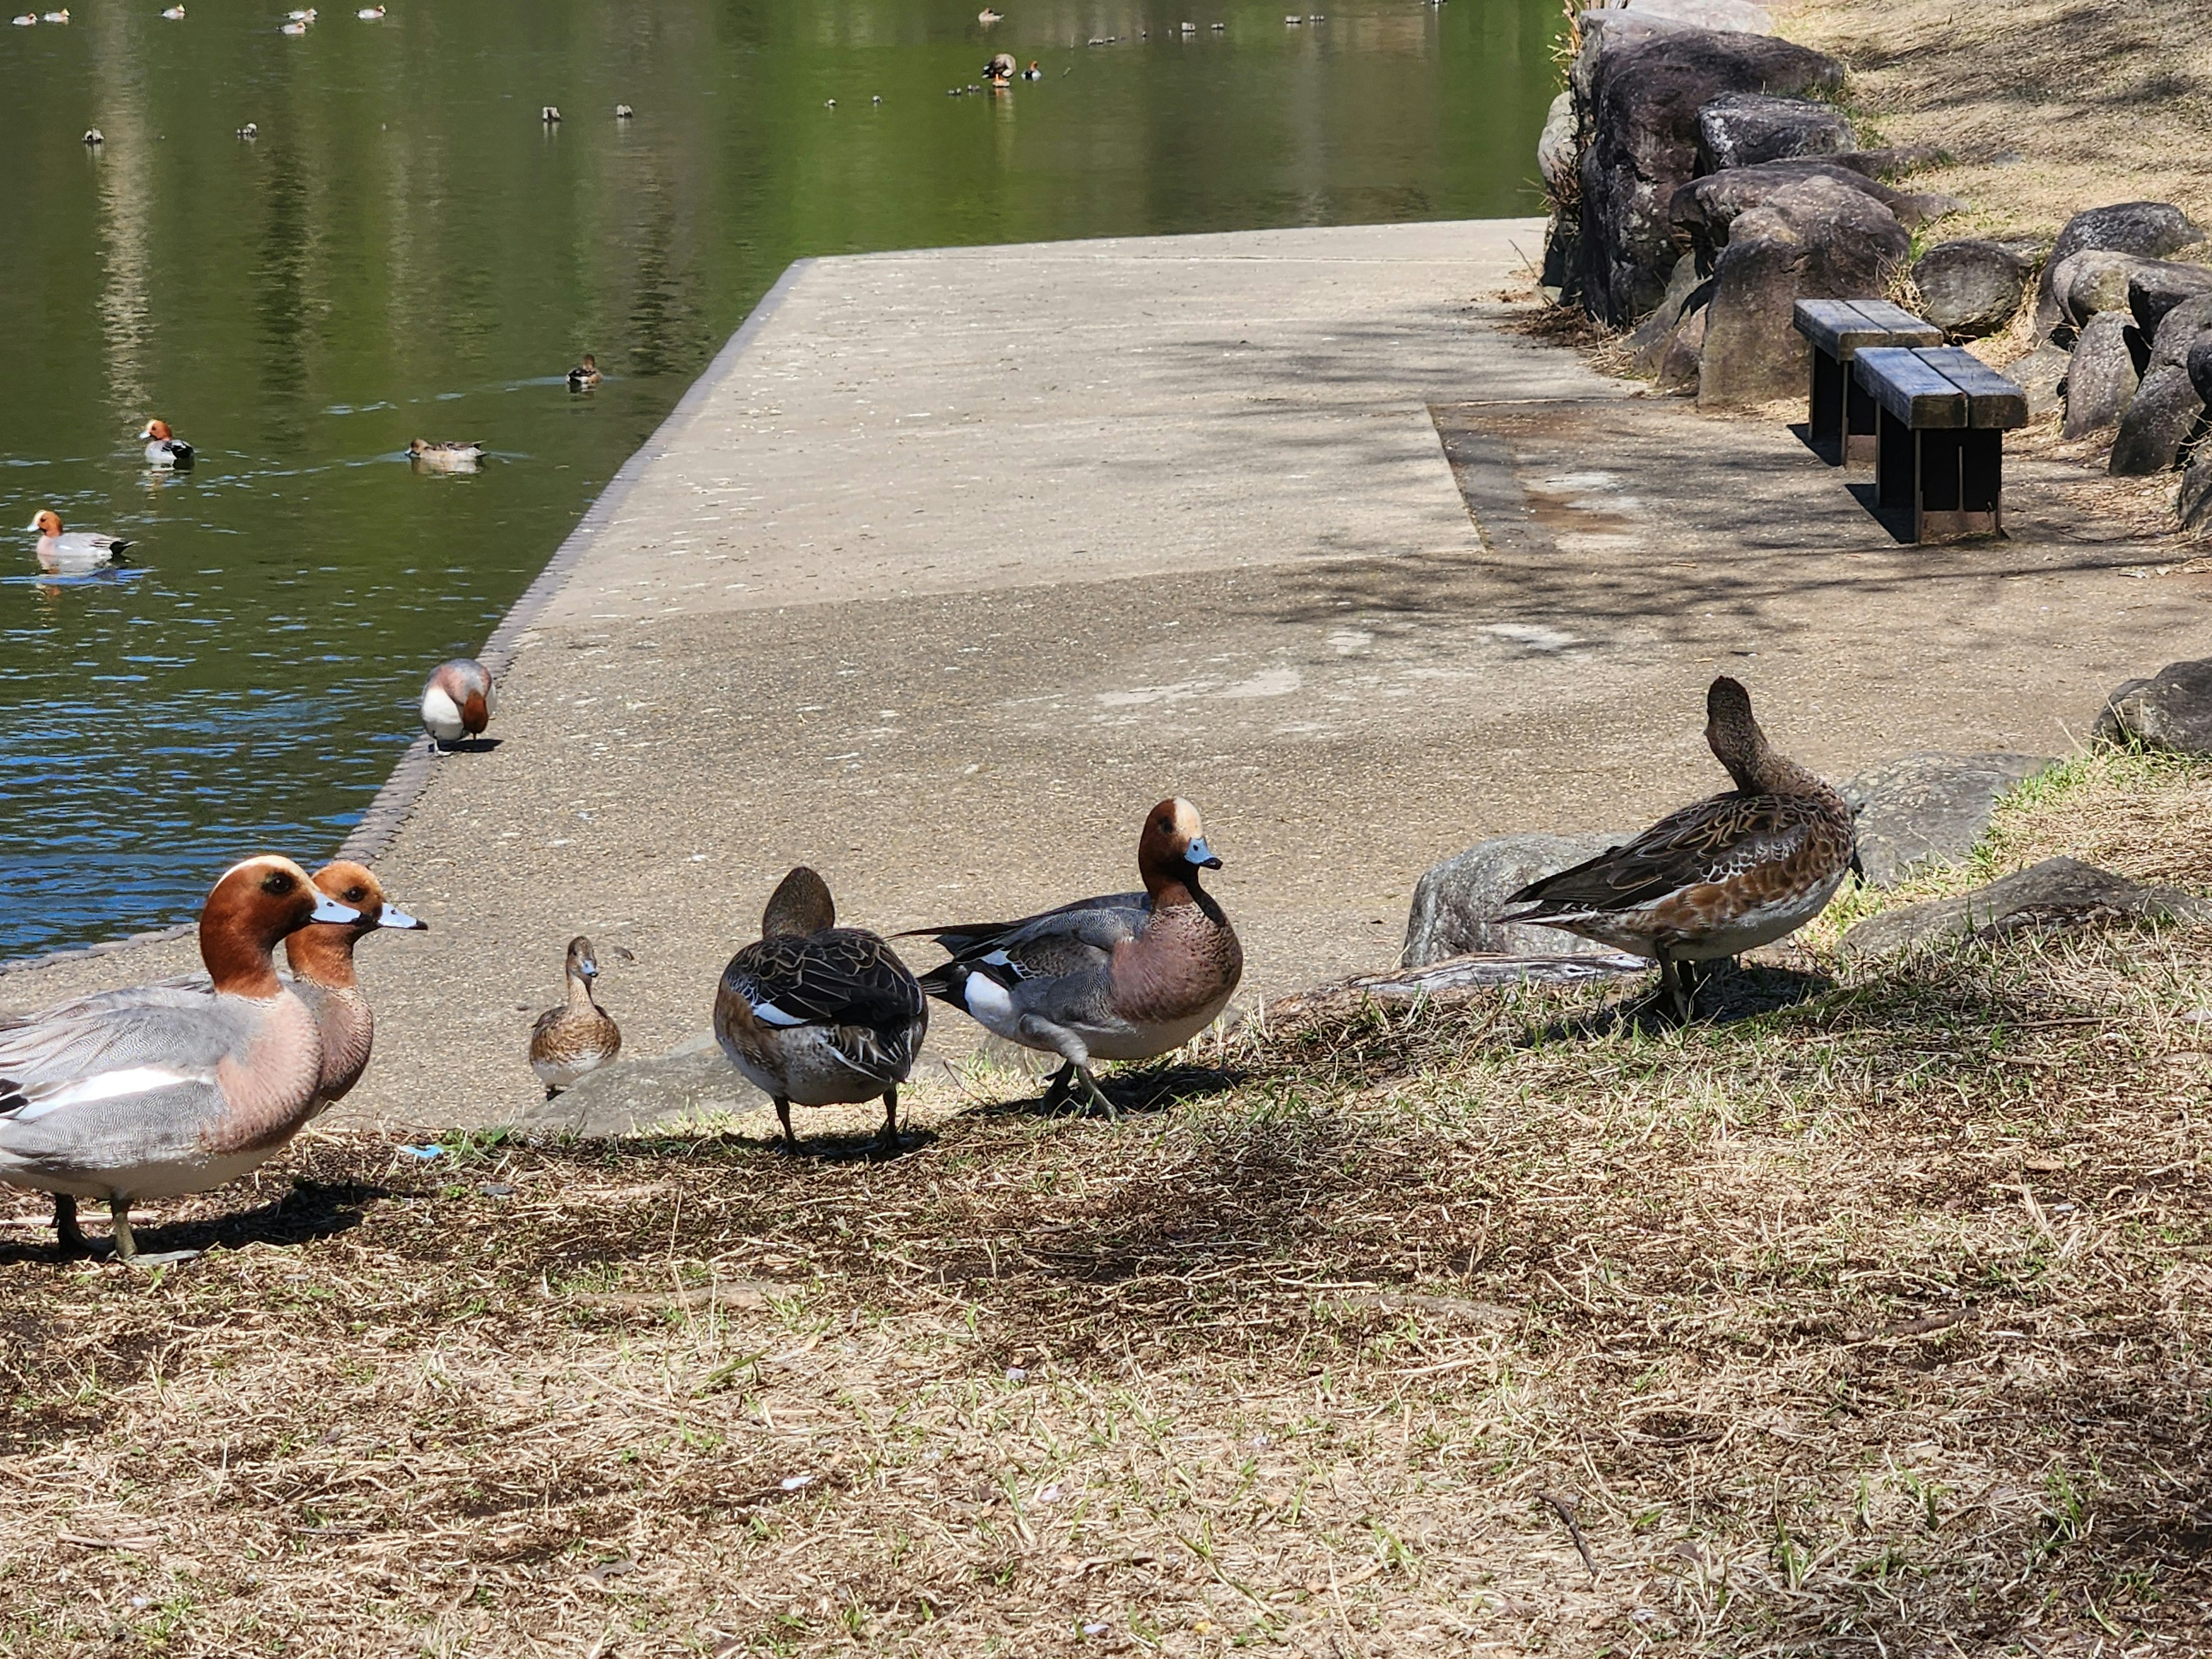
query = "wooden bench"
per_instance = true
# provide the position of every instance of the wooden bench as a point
(1841, 417)
(1939, 447)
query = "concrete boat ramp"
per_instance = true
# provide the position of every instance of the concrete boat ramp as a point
(956, 560)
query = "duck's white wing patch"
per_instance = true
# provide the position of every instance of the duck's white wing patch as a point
(106, 1085)
(989, 1004)
(768, 1014)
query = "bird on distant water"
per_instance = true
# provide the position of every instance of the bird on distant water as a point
(456, 701)
(174, 14)
(550, 115)
(585, 375)
(1716, 878)
(816, 1013)
(1124, 976)
(574, 1040)
(250, 130)
(454, 455)
(75, 552)
(24, 20)
(999, 71)
(164, 447)
(623, 112)
(93, 137)
(1033, 73)
(986, 17)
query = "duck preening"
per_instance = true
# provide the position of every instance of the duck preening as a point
(1716, 878)
(454, 456)
(818, 1014)
(77, 552)
(999, 71)
(577, 1038)
(585, 375)
(164, 447)
(456, 701)
(163, 1090)
(1123, 976)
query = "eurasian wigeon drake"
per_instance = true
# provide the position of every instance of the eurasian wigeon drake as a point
(1125, 977)
(457, 701)
(1718, 878)
(369, 14)
(577, 1038)
(251, 130)
(550, 115)
(24, 20)
(164, 447)
(320, 956)
(816, 1013)
(296, 28)
(986, 17)
(448, 456)
(163, 1090)
(585, 374)
(174, 14)
(1033, 73)
(93, 137)
(54, 16)
(78, 551)
(623, 112)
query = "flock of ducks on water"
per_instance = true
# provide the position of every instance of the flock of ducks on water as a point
(182, 1086)
(295, 22)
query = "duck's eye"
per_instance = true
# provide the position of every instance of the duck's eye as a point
(356, 895)
(277, 881)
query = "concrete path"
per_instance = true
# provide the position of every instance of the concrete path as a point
(957, 560)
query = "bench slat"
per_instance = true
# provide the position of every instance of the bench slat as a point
(1843, 328)
(1992, 399)
(1914, 391)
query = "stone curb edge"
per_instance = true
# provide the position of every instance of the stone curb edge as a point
(395, 802)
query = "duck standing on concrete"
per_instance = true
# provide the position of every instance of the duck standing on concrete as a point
(1126, 977)
(456, 701)
(320, 956)
(577, 1038)
(585, 375)
(163, 447)
(1724, 875)
(164, 1088)
(449, 456)
(818, 1013)
(77, 551)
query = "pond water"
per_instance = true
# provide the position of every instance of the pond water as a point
(406, 249)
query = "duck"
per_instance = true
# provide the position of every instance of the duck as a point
(456, 701)
(1121, 976)
(164, 447)
(320, 956)
(999, 71)
(251, 130)
(585, 375)
(431, 455)
(27, 19)
(164, 1090)
(986, 17)
(1033, 73)
(623, 112)
(577, 1038)
(1721, 877)
(369, 14)
(291, 28)
(93, 137)
(174, 14)
(816, 1013)
(550, 115)
(78, 551)
(53, 17)
(301, 14)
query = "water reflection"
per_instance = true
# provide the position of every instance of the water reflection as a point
(404, 251)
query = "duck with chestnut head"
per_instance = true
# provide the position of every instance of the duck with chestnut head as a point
(163, 447)
(66, 553)
(320, 956)
(456, 701)
(1121, 976)
(164, 1090)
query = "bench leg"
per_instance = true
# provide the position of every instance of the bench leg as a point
(1896, 467)
(1860, 434)
(1960, 482)
(1823, 419)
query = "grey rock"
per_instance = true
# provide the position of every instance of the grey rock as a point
(1971, 288)
(2042, 375)
(2176, 332)
(690, 1083)
(2172, 710)
(1705, 211)
(1892, 163)
(2102, 376)
(2192, 504)
(1559, 146)
(2059, 892)
(2151, 229)
(1639, 90)
(1457, 901)
(1928, 809)
(1815, 240)
(1649, 340)
(2158, 421)
(2156, 287)
(2198, 362)
(2091, 283)
(1679, 365)
(1741, 128)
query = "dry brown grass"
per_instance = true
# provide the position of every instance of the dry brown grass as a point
(1874, 1324)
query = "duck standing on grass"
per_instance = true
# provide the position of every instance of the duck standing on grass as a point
(164, 447)
(164, 1090)
(1718, 878)
(577, 1038)
(77, 551)
(456, 702)
(818, 1013)
(1126, 977)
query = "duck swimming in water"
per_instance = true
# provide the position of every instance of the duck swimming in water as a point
(585, 374)
(432, 456)
(164, 447)
(78, 551)
(1726, 875)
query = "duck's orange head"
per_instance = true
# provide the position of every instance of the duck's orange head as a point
(254, 904)
(1172, 849)
(48, 523)
(158, 431)
(323, 951)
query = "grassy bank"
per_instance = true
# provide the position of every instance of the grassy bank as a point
(1874, 1324)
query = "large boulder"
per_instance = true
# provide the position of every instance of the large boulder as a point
(2156, 287)
(1928, 809)
(1558, 148)
(2059, 892)
(2192, 504)
(1455, 903)
(1814, 239)
(1682, 360)
(2042, 376)
(2091, 283)
(1741, 129)
(1705, 211)
(1892, 163)
(2150, 229)
(1971, 288)
(2172, 710)
(2103, 374)
(2158, 421)
(1639, 90)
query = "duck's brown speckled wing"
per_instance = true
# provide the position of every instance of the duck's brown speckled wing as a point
(844, 979)
(1722, 840)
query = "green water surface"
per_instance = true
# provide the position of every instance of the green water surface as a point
(407, 249)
